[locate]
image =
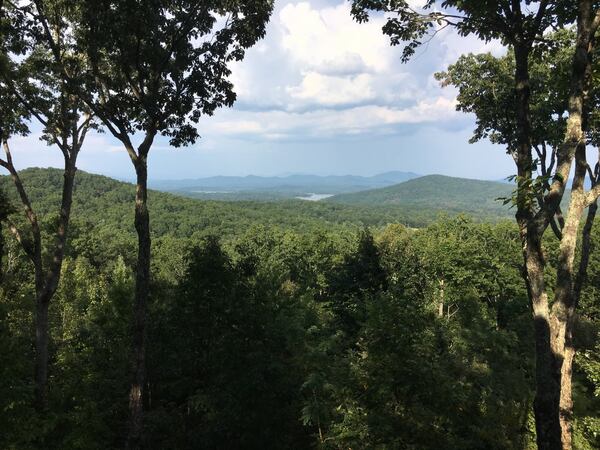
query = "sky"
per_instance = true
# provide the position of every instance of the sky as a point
(320, 94)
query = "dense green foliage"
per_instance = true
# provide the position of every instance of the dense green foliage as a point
(295, 325)
(314, 333)
(104, 205)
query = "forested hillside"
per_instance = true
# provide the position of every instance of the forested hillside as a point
(438, 193)
(274, 328)
(105, 204)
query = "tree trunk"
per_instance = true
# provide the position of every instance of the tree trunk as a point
(41, 354)
(441, 300)
(547, 383)
(47, 284)
(568, 285)
(142, 290)
(563, 310)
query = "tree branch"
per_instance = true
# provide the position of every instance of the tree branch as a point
(24, 244)
(24, 101)
(36, 251)
(586, 249)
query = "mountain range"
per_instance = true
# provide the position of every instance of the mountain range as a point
(396, 190)
(272, 188)
(415, 202)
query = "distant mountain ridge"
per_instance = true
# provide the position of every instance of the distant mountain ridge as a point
(294, 184)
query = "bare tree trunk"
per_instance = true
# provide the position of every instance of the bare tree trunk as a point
(547, 383)
(566, 399)
(568, 286)
(441, 300)
(563, 310)
(566, 392)
(142, 290)
(586, 247)
(546, 401)
(41, 354)
(46, 286)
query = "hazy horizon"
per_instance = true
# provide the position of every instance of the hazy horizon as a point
(283, 175)
(322, 95)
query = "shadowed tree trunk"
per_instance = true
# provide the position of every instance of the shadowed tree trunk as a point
(142, 292)
(547, 384)
(50, 284)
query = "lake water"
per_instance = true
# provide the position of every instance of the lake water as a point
(315, 197)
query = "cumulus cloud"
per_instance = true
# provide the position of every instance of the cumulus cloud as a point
(318, 72)
(281, 125)
(322, 39)
(327, 90)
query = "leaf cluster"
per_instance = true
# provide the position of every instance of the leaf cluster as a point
(159, 66)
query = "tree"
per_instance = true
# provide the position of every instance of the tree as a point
(226, 351)
(359, 275)
(487, 77)
(521, 25)
(33, 86)
(154, 68)
(5, 210)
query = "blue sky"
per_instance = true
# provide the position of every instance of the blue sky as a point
(320, 94)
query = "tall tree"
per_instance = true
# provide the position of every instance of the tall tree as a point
(521, 25)
(156, 67)
(33, 41)
(481, 77)
(5, 210)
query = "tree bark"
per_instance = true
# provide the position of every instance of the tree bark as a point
(563, 310)
(547, 380)
(46, 286)
(441, 300)
(568, 287)
(547, 383)
(142, 291)
(41, 354)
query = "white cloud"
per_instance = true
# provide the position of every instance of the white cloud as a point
(324, 38)
(318, 70)
(281, 125)
(329, 90)
(417, 4)
(239, 127)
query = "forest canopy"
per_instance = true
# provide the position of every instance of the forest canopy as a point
(394, 318)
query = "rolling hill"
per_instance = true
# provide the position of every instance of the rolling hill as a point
(106, 206)
(436, 193)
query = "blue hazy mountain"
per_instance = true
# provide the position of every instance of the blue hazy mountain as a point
(271, 188)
